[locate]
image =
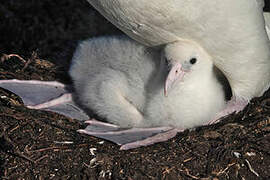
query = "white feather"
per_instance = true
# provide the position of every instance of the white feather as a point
(109, 75)
(123, 81)
(267, 22)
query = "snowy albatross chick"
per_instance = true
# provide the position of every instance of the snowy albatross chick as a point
(131, 85)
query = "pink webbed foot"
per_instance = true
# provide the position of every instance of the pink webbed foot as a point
(129, 138)
(53, 96)
(232, 106)
(160, 137)
(45, 95)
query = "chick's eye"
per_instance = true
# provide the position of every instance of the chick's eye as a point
(193, 60)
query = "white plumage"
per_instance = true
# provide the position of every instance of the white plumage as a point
(232, 32)
(123, 81)
(110, 74)
(195, 98)
(267, 23)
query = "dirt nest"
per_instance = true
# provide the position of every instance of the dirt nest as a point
(44, 145)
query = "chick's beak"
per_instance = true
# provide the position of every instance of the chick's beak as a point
(176, 73)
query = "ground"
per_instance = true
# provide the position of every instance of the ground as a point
(43, 145)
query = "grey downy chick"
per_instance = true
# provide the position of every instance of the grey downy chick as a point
(124, 82)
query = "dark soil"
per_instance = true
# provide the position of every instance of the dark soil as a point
(44, 145)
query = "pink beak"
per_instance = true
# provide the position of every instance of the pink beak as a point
(176, 74)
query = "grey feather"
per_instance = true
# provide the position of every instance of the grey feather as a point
(122, 81)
